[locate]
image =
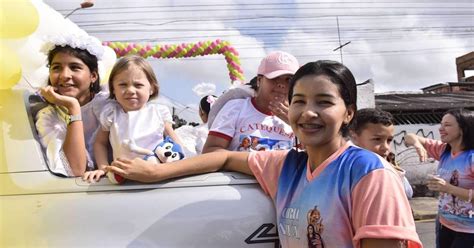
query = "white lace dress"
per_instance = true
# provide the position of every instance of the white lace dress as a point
(52, 129)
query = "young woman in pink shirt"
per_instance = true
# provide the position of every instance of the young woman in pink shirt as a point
(332, 194)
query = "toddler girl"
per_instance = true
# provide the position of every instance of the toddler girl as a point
(131, 122)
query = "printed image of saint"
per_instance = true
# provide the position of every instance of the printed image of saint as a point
(315, 229)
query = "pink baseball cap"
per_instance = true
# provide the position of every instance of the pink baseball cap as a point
(278, 63)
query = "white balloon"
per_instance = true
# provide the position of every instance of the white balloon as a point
(106, 64)
(52, 22)
(33, 62)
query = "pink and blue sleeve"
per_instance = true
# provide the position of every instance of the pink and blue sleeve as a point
(266, 166)
(380, 209)
(434, 148)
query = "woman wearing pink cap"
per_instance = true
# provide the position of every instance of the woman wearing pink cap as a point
(264, 115)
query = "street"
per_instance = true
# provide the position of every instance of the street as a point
(426, 231)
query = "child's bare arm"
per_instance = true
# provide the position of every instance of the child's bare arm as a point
(101, 156)
(74, 146)
(170, 132)
(101, 149)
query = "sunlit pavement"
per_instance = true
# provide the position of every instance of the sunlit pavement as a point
(426, 231)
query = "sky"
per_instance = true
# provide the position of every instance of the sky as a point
(402, 45)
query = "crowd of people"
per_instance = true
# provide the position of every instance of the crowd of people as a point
(300, 134)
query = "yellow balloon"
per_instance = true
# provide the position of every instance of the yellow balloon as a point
(18, 18)
(10, 68)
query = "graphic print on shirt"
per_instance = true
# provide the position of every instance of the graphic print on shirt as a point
(269, 129)
(450, 203)
(454, 180)
(315, 229)
(254, 143)
(454, 212)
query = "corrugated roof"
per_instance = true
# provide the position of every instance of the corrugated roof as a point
(422, 108)
(466, 85)
(424, 102)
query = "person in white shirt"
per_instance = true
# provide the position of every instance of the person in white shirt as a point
(263, 116)
(67, 127)
(194, 137)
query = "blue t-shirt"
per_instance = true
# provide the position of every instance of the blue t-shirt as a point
(458, 170)
(353, 195)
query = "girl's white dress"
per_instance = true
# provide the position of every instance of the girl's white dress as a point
(143, 128)
(52, 128)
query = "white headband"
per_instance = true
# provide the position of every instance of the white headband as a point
(84, 42)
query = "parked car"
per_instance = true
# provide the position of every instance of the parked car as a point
(40, 209)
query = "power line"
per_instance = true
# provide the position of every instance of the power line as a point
(268, 35)
(273, 31)
(271, 28)
(108, 12)
(233, 5)
(311, 27)
(265, 19)
(216, 18)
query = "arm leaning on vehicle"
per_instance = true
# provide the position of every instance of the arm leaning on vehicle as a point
(214, 143)
(170, 132)
(144, 171)
(64, 142)
(167, 119)
(74, 146)
(100, 150)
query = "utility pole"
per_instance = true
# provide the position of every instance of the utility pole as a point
(339, 36)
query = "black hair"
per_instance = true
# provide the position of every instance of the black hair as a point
(204, 105)
(465, 120)
(339, 75)
(370, 115)
(89, 60)
(253, 83)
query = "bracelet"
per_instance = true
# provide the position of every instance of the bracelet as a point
(470, 196)
(72, 118)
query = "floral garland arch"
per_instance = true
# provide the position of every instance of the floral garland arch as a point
(184, 50)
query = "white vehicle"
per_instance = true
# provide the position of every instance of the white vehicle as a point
(40, 209)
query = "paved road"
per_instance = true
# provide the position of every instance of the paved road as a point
(426, 231)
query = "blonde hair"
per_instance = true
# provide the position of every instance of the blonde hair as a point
(124, 63)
